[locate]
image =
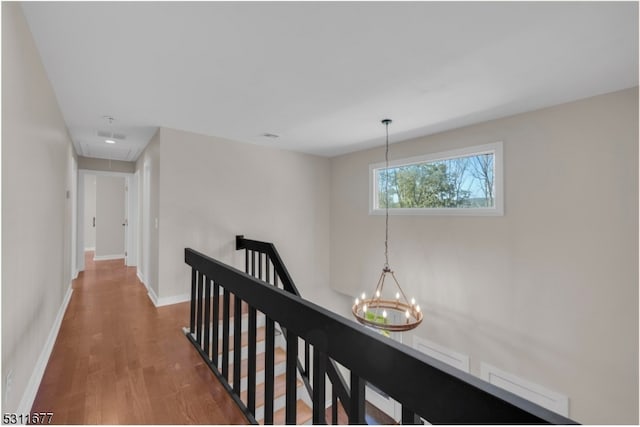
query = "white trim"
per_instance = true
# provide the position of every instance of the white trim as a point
(441, 353)
(107, 257)
(89, 249)
(161, 302)
(526, 389)
(152, 295)
(31, 390)
(495, 148)
(141, 278)
(105, 173)
(176, 299)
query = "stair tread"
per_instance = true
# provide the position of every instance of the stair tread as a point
(279, 389)
(279, 356)
(244, 339)
(245, 307)
(304, 413)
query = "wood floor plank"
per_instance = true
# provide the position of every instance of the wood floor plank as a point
(120, 360)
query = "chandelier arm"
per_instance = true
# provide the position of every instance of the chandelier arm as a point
(378, 286)
(400, 287)
(375, 298)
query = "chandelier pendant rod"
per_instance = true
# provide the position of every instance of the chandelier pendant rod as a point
(386, 192)
(377, 301)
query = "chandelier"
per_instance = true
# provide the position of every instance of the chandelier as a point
(388, 314)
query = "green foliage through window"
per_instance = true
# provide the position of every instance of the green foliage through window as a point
(461, 182)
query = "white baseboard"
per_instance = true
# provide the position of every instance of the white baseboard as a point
(30, 392)
(152, 295)
(160, 302)
(173, 300)
(107, 257)
(141, 278)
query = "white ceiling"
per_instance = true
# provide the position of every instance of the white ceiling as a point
(322, 75)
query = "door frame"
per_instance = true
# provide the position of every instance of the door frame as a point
(131, 214)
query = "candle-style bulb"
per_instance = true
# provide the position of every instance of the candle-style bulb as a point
(397, 295)
(406, 313)
(377, 294)
(413, 301)
(364, 308)
(418, 308)
(384, 313)
(363, 296)
(357, 301)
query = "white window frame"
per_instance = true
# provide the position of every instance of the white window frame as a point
(494, 148)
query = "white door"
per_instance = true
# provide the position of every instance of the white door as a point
(110, 217)
(89, 212)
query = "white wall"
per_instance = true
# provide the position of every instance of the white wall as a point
(549, 291)
(89, 212)
(37, 194)
(213, 189)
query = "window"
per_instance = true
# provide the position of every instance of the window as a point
(459, 182)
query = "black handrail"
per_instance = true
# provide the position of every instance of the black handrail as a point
(339, 387)
(424, 386)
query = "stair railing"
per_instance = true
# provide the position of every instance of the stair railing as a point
(271, 269)
(425, 387)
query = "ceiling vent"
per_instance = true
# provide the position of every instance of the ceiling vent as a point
(112, 135)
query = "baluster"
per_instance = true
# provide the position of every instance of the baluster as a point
(192, 320)
(253, 263)
(307, 371)
(260, 266)
(246, 261)
(207, 315)
(216, 318)
(409, 417)
(356, 402)
(269, 361)
(275, 277)
(291, 378)
(334, 407)
(225, 335)
(251, 374)
(319, 372)
(268, 268)
(199, 309)
(237, 343)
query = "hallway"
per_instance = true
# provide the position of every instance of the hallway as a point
(120, 360)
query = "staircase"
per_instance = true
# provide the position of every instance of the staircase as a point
(304, 413)
(277, 358)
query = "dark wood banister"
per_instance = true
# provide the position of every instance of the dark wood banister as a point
(425, 386)
(335, 377)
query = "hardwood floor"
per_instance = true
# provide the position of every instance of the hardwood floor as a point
(120, 360)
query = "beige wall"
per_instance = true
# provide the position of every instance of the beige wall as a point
(36, 212)
(549, 291)
(89, 163)
(148, 166)
(213, 189)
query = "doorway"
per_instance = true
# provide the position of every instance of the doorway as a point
(107, 216)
